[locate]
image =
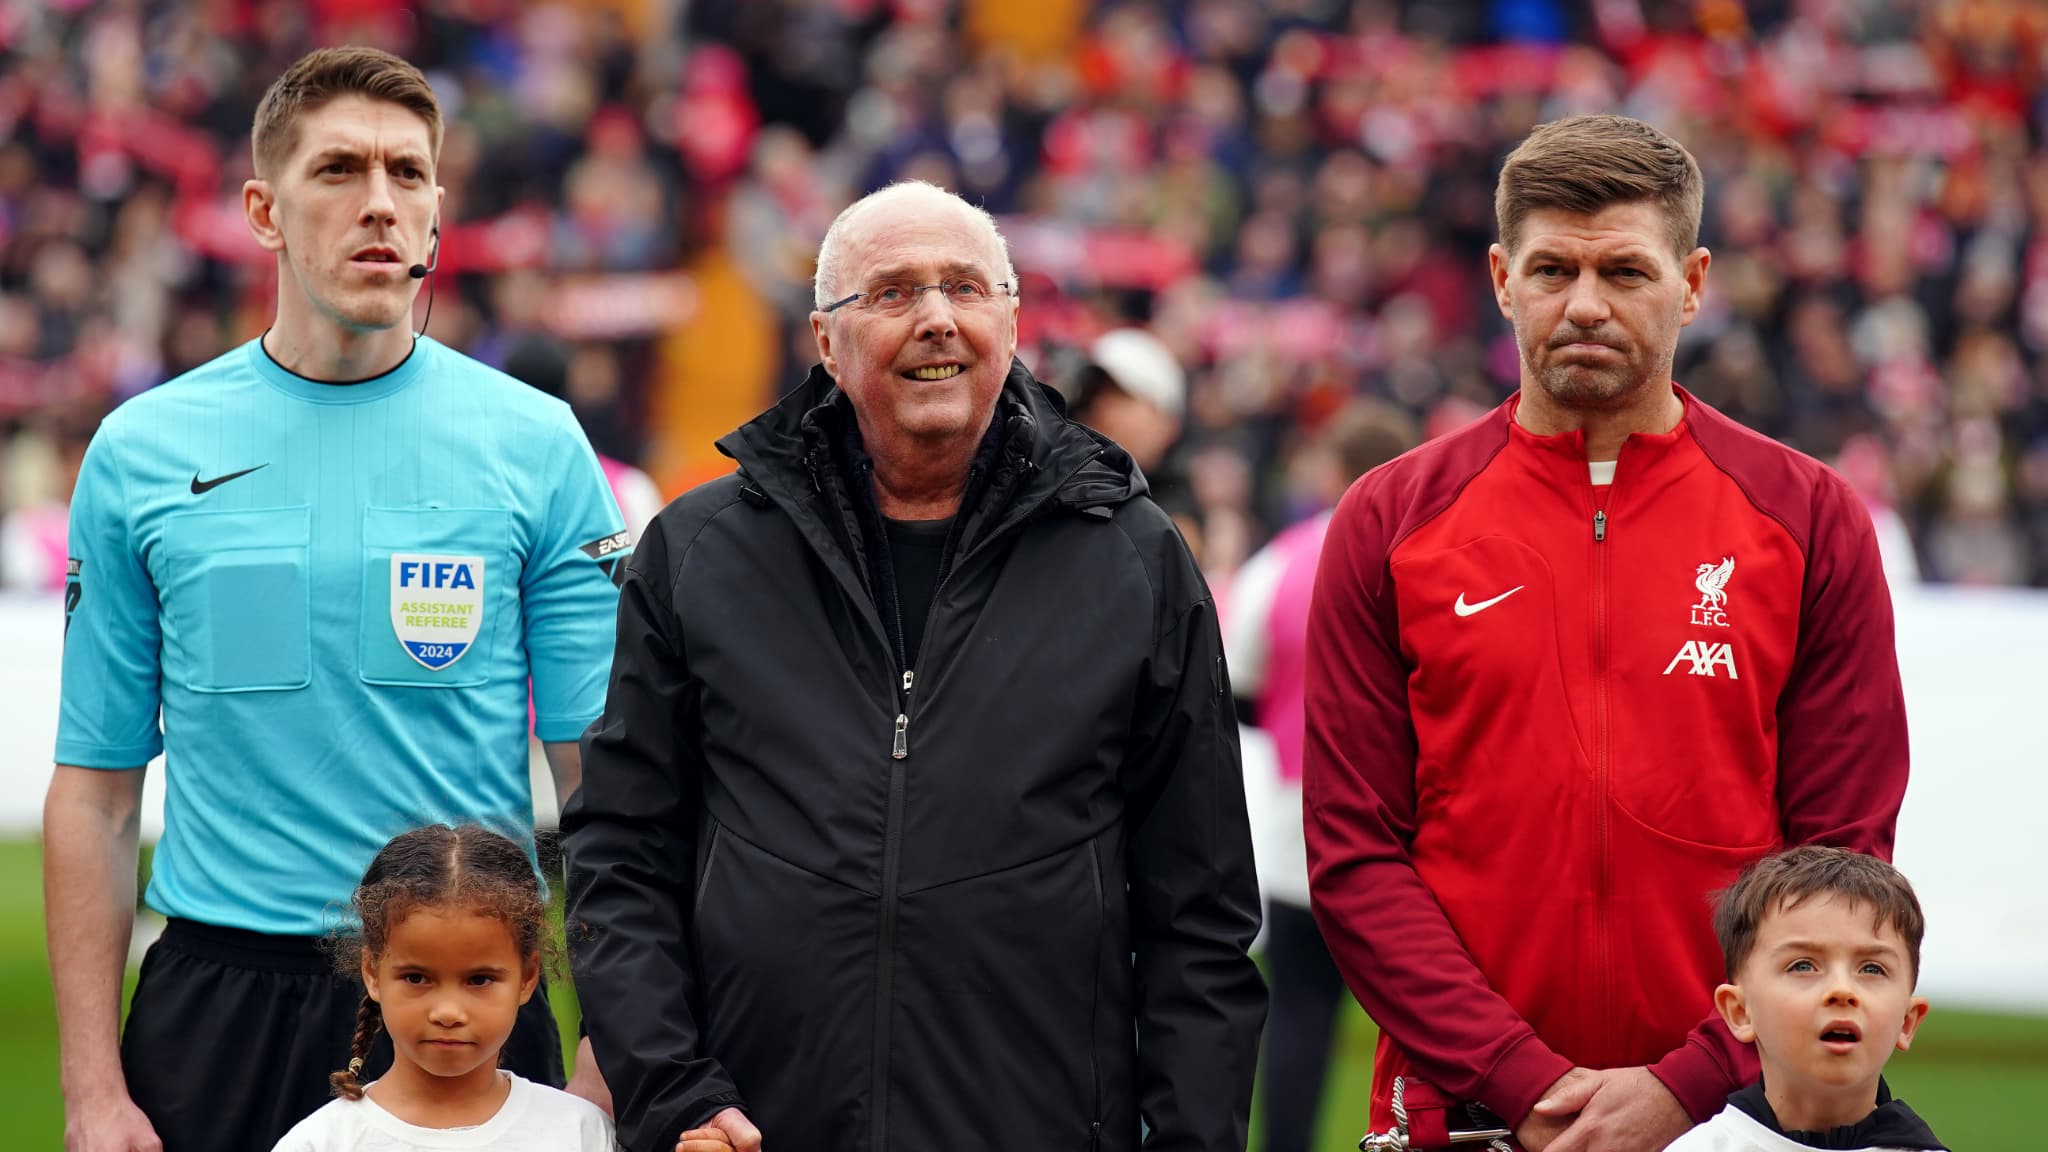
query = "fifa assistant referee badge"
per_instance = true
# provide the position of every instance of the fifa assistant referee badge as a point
(437, 605)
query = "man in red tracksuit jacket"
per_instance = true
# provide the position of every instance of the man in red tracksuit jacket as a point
(1571, 668)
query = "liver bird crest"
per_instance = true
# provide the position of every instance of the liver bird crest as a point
(1712, 582)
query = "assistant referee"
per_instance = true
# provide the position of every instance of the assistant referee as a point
(244, 542)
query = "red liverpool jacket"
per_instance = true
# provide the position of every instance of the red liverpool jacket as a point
(1547, 721)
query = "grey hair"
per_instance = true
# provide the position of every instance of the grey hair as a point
(831, 254)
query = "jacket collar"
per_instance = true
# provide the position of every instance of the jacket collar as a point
(1568, 449)
(1042, 456)
(1890, 1125)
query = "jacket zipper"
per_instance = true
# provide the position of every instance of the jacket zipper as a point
(899, 748)
(885, 951)
(1095, 1001)
(892, 844)
(1602, 951)
(885, 958)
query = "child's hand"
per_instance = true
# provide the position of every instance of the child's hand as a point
(704, 1140)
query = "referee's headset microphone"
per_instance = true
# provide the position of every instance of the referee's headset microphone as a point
(422, 271)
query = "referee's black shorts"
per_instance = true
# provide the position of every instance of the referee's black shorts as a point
(232, 1034)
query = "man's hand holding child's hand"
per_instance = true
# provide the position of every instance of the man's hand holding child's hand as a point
(729, 1131)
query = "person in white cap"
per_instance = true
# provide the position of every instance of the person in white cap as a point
(1135, 395)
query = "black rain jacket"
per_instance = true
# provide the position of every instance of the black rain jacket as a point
(1000, 900)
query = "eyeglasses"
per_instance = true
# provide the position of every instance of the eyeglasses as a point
(897, 299)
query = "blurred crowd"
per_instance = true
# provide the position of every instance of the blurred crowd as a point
(1293, 196)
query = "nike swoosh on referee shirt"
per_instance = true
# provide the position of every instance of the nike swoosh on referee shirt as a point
(1464, 609)
(201, 487)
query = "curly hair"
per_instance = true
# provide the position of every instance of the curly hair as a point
(468, 867)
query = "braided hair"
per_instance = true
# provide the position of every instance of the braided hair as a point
(468, 867)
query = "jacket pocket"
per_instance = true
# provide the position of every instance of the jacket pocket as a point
(1009, 1033)
(237, 599)
(1666, 959)
(437, 589)
(704, 870)
(785, 965)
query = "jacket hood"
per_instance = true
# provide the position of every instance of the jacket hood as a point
(1048, 456)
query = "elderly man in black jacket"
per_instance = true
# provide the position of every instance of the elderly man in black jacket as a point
(914, 820)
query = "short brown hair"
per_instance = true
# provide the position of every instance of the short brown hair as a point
(1583, 164)
(324, 75)
(1366, 433)
(1785, 881)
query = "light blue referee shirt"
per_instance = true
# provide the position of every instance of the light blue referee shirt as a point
(335, 595)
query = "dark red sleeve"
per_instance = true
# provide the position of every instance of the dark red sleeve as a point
(1842, 719)
(1702, 1071)
(1391, 940)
